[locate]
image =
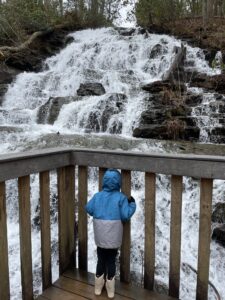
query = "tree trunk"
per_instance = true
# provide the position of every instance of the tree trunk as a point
(205, 12)
(210, 6)
(61, 7)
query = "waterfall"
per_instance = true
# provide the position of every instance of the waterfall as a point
(121, 64)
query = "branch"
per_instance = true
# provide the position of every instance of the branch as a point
(26, 44)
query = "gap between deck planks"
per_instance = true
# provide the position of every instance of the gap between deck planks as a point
(78, 285)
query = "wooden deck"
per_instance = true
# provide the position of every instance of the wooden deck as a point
(78, 285)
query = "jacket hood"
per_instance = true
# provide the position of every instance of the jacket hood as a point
(111, 180)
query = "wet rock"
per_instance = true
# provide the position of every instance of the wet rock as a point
(153, 117)
(210, 55)
(10, 129)
(157, 86)
(180, 110)
(116, 127)
(160, 86)
(48, 113)
(193, 100)
(221, 107)
(218, 215)
(219, 234)
(176, 72)
(151, 132)
(189, 121)
(159, 29)
(156, 51)
(212, 83)
(142, 31)
(191, 133)
(125, 31)
(3, 89)
(218, 131)
(218, 97)
(25, 60)
(91, 89)
(217, 135)
(100, 116)
(31, 58)
(68, 40)
(6, 77)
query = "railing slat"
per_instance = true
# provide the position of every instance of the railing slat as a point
(101, 174)
(45, 229)
(149, 254)
(204, 238)
(4, 267)
(66, 195)
(125, 249)
(25, 237)
(82, 216)
(175, 235)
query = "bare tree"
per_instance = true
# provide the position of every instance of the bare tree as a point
(61, 7)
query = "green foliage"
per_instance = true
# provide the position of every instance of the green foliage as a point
(19, 18)
(150, 12)
(157, 11)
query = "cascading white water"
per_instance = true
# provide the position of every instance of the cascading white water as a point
(122, 64)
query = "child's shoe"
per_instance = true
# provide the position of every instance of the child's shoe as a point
(99, 283)
(110, 287)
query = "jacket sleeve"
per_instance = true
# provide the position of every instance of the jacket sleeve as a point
(126, 209)
(89, 207)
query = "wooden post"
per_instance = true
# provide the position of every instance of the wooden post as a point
(66, 195)
(101, 174)
(4, 267)
(45, 230)
(149, 262)
(82, 217)
(204, 238)
(175, 235)
(25, 237)
(125, 249)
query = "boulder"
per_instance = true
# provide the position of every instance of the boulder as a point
(156, 51)
(155, 116)
(125, 31)
(160, 86)
(212, 83)
(151, 131)
(218, 215)
(91, 89)
(219, 234)
(48, 113)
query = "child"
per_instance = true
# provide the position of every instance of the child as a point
(109, 208)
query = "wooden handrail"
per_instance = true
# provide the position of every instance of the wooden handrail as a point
(65, 160)
(199, 166)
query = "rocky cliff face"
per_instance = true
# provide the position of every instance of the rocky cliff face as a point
(31, 58)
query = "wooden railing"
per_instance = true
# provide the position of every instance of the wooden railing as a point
(21, 166)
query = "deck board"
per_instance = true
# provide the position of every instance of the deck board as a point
(79, 285)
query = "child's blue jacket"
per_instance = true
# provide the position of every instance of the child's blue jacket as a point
(109, 208)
